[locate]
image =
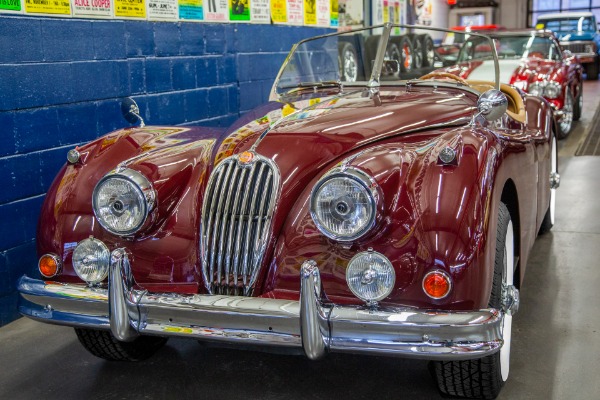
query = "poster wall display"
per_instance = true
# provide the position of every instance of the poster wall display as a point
(279, 11)
(56, 7)
(92, 8)
(191, 9)
(323, 13)
(13, 6)
(216, 11)
(260, 12)
(239, 10)
(295, 12)
(310, 12)
(130, 8)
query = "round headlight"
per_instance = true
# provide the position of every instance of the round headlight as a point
(370, 276)
(552, 90)
(91, 260)
(122, 201)
(536, 89)
(343, 204)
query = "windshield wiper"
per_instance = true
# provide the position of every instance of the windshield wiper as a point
(315, 85)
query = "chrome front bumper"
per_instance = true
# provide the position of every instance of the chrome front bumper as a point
(308, 325)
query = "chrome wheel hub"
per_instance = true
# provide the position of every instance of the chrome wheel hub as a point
(567, 118)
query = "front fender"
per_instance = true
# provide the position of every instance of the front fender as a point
(433, 217)
(177, 161)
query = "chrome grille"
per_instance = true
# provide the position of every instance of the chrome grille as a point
(577, 47)
(236, 220)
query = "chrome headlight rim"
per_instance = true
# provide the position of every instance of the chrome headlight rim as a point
(386, 261)
(141, 183)
(538, 87)
(104, 249)
(555, 86)
(367, 183)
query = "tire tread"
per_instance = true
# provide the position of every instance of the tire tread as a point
(104, 345)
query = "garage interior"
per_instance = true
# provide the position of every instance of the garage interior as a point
(554, 348)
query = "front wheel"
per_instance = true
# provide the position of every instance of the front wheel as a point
(566, 122)
(483, 378)
(104, 345)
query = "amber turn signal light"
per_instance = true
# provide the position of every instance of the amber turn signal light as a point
(49, 265)
(437, 284)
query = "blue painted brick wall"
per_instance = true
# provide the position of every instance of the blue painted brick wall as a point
(60, 85)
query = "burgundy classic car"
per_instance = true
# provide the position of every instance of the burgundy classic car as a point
(534, 62)
(387, 216)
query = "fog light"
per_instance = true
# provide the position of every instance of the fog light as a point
(437, 284)
(49, 265)
(91, 260)
(370, 276)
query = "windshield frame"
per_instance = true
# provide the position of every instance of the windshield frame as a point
(530, 35)
(374, 80)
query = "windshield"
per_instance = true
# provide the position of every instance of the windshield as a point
(575, 24)
(510, 47)
(387, 54)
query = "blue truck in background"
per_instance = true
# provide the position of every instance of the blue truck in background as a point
(578, 33)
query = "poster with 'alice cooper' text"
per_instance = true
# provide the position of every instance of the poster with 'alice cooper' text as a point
(216, 10)
(163, 9)
(92, 8)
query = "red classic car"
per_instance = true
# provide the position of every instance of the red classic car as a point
(384, 216)
(534, 62)
(456, 37)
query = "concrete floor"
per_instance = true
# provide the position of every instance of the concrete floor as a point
(556, 338)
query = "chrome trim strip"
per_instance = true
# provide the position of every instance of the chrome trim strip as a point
(308, 324)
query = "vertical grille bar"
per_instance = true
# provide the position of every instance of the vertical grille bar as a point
(250, 229)
(236, 217)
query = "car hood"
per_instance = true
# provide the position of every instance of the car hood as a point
(315, 131)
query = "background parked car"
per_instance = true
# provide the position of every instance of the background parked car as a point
(534, 62)
(578, 33)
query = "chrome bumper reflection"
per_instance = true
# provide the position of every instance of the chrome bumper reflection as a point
(309, 324)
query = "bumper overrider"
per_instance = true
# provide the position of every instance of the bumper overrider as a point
(307, 325)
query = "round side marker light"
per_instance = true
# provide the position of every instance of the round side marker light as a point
(49, 265)
(437, 284)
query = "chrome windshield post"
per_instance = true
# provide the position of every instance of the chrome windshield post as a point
(378, 64)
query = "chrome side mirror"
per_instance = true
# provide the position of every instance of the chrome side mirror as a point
(131, 111)
(492, 104)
